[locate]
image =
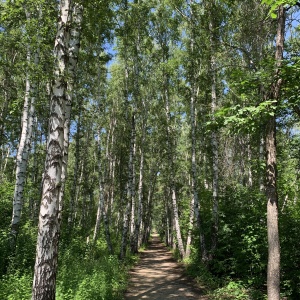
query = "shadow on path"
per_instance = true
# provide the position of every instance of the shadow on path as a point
(158, 276)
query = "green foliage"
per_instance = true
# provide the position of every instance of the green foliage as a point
(275, 3)
(6, 192)
(233, 290)
(16, 286)
(196, 269)
(243, 223)
(290, 252)
(88, 272)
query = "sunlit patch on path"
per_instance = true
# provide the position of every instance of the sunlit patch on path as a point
(159, 277)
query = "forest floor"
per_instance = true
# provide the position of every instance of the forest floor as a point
(158, 276)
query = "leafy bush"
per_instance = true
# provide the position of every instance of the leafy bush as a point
(233, 290)
(16, 286)
(90, 273)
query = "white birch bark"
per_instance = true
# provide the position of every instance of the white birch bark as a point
(73, 51)
(149, 205)
(249, 154)
(101, 209)
(130, 190)
(172, 183)
(140, 203)
(132, 181)
(195, 203)
(24, 148)
(101, 192)
(44, 280)
(75, 176)
(261, 159)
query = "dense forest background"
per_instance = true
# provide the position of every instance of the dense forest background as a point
(184, 120)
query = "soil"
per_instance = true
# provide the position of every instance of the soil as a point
(158, 276)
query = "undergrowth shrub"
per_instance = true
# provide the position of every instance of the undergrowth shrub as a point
(16, 286)
(89, 272)
(233, 290)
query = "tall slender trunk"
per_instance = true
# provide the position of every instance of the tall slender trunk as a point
(44, 280)
(6, 89)
(249, 154)
(101, 209)
(261, 159)
(73, 51)
(110, 157)
(149, 206)
(130, 190)
(140, 203)
(214, 136)
(171, 178)
(3, 166)
(75, 176)
(273, 278)
(100, 202)
(24, 148)
(195, 203)
(132, 180)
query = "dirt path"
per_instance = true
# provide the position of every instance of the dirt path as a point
(158, 277)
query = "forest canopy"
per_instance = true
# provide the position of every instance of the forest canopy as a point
(121, 118)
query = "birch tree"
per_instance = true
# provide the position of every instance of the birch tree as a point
(22, 157)
(49, 223)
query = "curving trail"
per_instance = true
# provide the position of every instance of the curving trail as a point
(159, 277)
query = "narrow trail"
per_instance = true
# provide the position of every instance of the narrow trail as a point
(158, 276)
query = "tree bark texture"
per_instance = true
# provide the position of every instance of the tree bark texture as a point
(273, 276)
(214, 136)
(23, 149)
(44, 280)
(130, 191)
(171, 179)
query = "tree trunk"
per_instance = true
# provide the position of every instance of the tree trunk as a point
(132, 178)
(214, 136)
(140, 204)
(73, 51)
(101, 191)
(273, 278)
(194, 204)
(76, 171)
(130, 190)
(23, 151)
(101, 209)
(44, 280)
(172, 182)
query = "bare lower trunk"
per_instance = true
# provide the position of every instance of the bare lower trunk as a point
(100, 208)
(273, 278)
(132, 181)
(261, 159)
(75, 178)
(125, 231)
(130, 191)
(73, 52)
(24, 149)
(172, 183)
(214, 137)
(190, 229)
(44, 280)
(140, 205)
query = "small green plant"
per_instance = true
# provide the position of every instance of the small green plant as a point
(16, 286)
(233, 290)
